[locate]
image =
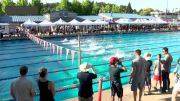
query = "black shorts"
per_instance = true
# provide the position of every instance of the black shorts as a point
(148, 79)
(116, 88)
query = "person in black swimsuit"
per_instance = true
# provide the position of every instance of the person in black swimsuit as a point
(46, 87)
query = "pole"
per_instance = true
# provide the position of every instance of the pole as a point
(79, 50)
(100, 89)
(166, 9)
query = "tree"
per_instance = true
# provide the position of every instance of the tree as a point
(38, 4)
(115, 9)
(122, 9)
(95, 9)
(76, 6)
(22, 3)
(146, 11)
(47, 8)
(129, 8)
(63, 5)
(0, 8)
(135, 11)
(86, 7)
(107, 8)
(4, 4)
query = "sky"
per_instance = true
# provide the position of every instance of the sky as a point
(173, 5)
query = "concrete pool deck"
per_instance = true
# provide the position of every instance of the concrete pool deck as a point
(155, 96)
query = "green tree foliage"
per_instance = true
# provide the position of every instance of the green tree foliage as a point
(76, 6)
(22, 3)
(135, 11)
(122, 9)
(146, 11)
(5, 3)
(63, 5)
(95, 9)
(129, 8)
(86, 7)
(38, 4)
(47, 8)
(107, 9)
(0, 8)
(115, 9)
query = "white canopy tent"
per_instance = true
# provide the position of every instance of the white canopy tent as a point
(124, 21)
(152, 21)
(29, 23)
(138, 21)
(74, 22)
(60, 22)
(157, 21)
(100, 22)
(46, 23)
(160, 21)
(145, 21)
(87, 22)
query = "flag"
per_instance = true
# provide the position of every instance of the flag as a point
(60, 51)
(57, 49)
(53, 47)
(67, 52)
(72, 56)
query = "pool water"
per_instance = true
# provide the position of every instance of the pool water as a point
(96, 50)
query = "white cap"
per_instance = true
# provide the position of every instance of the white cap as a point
(84, 67)
(147, 56)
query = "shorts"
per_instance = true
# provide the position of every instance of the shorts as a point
(157, 78)
(116, 88)
(177, 87)
(148, 81)
(85, 99)
(137, 84)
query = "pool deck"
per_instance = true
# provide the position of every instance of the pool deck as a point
(85, 34)
(155, 96)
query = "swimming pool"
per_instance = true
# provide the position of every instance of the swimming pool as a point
(95, 50)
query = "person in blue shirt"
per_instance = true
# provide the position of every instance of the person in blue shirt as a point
(176, 89)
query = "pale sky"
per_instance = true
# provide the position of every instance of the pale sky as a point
(138, 4)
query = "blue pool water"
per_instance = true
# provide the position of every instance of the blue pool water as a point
(95, 50)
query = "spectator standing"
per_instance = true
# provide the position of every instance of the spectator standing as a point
(22, 89)
(115, 80)
(147, 57)
(157, 71)
(138, 74)
(85, 78)
(167, 67)
(46, 87)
